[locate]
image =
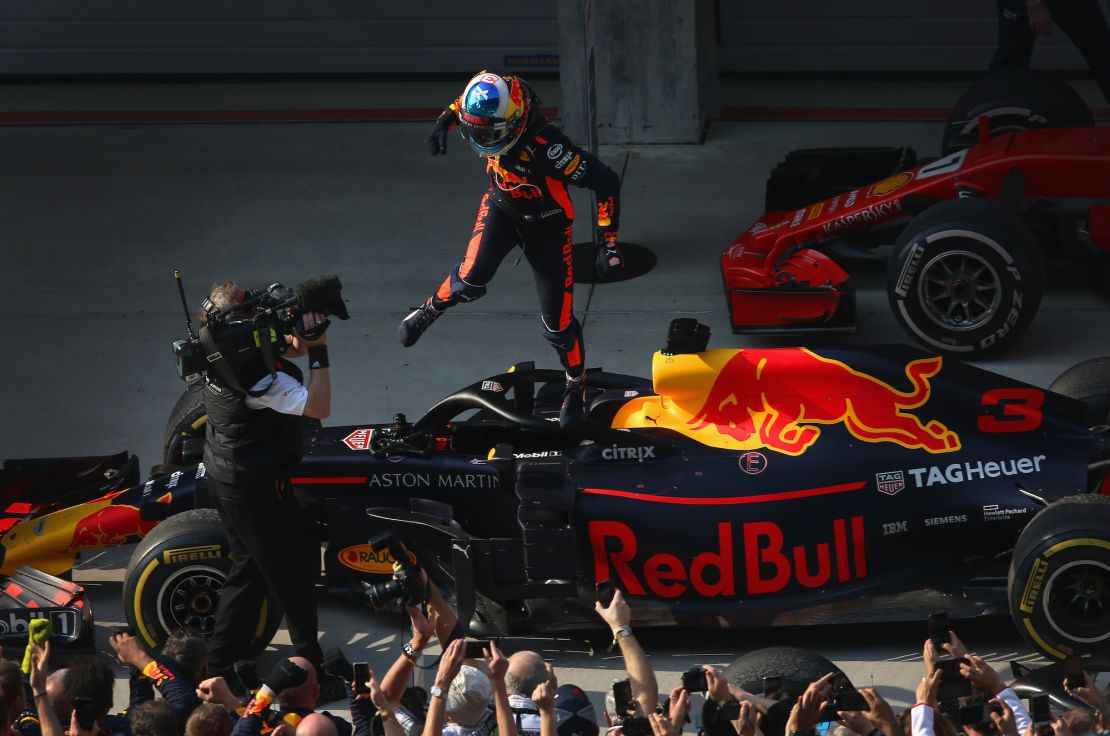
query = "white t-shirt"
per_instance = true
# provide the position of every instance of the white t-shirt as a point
(486, 726)
(527, 715)
(284, 394)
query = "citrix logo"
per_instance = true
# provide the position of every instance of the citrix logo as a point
(628, 453)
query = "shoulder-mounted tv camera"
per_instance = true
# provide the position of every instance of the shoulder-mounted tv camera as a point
(240, 344)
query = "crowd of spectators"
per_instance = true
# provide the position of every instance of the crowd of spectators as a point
(489, 693)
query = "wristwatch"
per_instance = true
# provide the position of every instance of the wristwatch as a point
(436, 691)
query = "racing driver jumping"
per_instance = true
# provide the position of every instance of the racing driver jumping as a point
(530, 162)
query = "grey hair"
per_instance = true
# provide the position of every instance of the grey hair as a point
(468, 696)
(223, 296)
(526, 671)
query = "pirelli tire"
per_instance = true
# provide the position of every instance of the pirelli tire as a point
(174, 578)
(1059, 582)
(965, 277)
(182, 442)
(1088, 382)
(797, 668)
(1013, 100)
(187, 421)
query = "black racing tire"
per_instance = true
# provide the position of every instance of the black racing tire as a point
(1088, 382)
(1013, 100)
(173, 581)
(796, 667)
(1059, 582)
(966, 277)
(809, 175)
(187, 420)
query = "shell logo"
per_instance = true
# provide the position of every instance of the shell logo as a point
(890, 184)
(364, 558)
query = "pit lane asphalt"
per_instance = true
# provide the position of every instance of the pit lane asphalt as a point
(95, 219)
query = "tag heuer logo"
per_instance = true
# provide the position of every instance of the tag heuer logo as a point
(492, 386)
(890, 483)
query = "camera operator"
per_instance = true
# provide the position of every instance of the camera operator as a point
(252, 441)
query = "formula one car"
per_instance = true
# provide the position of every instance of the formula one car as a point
(34, 487)
(745, 487)
(970, 230)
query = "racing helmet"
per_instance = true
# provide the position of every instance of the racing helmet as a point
(493, 111)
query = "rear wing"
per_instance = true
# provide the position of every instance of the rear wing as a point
(31, 485)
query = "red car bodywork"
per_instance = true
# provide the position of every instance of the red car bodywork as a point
(776, 276)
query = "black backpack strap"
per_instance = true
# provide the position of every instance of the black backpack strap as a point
(264, 339)
(217, 361)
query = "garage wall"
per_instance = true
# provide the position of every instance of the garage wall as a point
(275, 36)
(457, 36)
(870, 35)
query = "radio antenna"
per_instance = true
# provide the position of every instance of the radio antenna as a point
(184, 304)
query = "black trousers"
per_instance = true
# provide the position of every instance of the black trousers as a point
(270, 550)
(1082, 20)
(547, 247)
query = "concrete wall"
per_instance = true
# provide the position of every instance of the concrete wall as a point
(655, 70)
(871, 36)
(275, 36)
(446, 36)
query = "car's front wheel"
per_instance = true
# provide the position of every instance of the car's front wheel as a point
(1059, 583)
(183, 438)
(966, 277)
(174, 580)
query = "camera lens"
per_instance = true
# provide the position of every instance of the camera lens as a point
(381, 595)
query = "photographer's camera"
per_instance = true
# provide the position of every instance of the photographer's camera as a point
(405, 589)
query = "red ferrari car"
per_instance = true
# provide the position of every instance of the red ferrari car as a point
(970, 229)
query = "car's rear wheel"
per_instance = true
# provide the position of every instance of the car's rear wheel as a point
(1088, 382)
(1013, 101)
(174, 579)
(1059, 583)
(965, 277)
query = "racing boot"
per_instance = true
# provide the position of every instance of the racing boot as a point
(573, 409)
(413, 326)
(332, 688)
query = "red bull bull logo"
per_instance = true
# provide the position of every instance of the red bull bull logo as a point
(516, 96)
(507, 181)
(109, 526)
(778, 399)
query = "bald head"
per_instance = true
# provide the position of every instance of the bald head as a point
(55, 693)
(526, 671)
(316, 724)
(303, 695)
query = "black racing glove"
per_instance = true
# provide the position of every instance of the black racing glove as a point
(285, 675)
(437, 139)
(610, 261)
